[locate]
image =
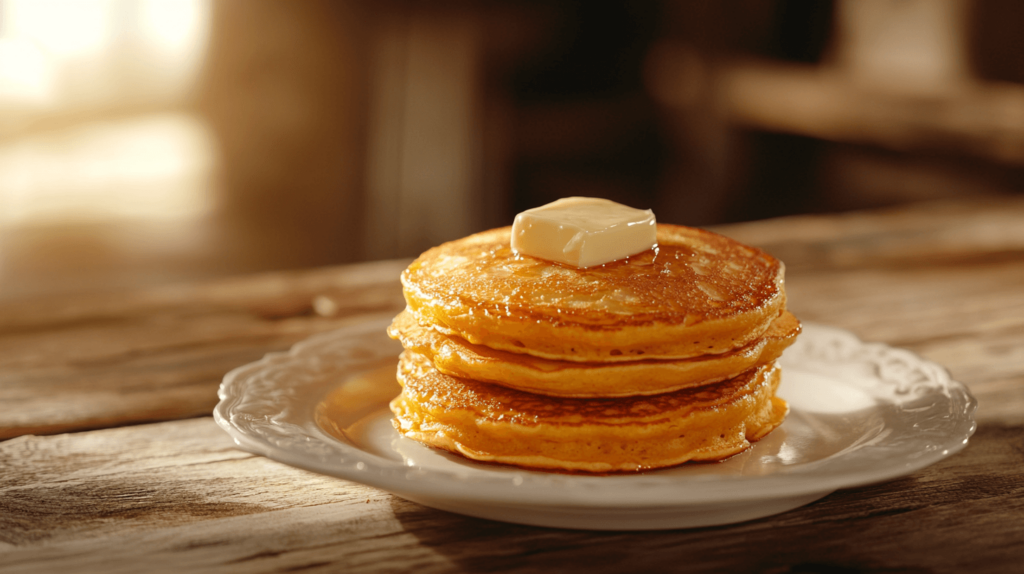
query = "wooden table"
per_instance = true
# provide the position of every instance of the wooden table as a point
(112, 462)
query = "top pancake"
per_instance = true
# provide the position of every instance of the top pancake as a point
(696, 293)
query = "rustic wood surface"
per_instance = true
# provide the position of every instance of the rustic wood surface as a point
(167, 490)
(70, 364)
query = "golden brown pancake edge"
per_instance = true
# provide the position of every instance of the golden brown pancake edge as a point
(496, 424)
(456, 357)
(698, 293)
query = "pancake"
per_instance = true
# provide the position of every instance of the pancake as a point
(456, 357)
(496, 424)
(697, 293)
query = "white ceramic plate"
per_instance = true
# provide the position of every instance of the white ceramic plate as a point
(860, 414)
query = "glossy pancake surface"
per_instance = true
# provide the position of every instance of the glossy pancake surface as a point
(497, 424)
(456, 357)
(697, 293)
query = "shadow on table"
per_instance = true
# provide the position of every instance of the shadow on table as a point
(930, 521)
(813, 541)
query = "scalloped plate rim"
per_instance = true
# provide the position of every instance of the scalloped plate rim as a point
(552, 489)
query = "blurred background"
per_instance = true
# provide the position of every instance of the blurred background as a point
(150, 141)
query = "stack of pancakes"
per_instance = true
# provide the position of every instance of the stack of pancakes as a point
(650, 361)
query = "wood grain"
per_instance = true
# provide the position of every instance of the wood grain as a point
(969, 319)
(942, 279)
(948, 271)
(917, 235)
(160, 354)
(177, 495)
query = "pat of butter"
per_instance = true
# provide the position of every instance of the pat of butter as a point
(583, 231)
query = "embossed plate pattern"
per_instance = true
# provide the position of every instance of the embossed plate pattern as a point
(861, 413)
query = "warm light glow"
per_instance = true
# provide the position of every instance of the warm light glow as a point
(56, 55)
(175, 26)
(62, 27)
(61, 56)
(26, 75)
(156, 168)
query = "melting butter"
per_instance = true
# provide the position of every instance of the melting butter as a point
(583, 231)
